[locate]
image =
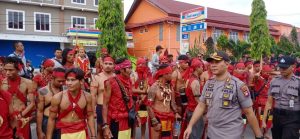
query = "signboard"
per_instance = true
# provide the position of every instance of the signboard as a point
(129, 35)
(88, 33)
(185, 36)
(194, 27)
(86, 42)
(130, 44)
(193, 15)
(184, 48)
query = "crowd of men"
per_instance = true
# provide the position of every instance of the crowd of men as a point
(189, 98)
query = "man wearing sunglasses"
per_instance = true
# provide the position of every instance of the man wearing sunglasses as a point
(284, 91)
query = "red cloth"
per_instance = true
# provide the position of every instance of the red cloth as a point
(123, 65)
(42, 80)
(6, 131)
(192, 103)
(242, 76)
(48, 63)
(14, 88)
(117, 107)
(72, 127)
(164, 71)
(73, 107)
(83, 64)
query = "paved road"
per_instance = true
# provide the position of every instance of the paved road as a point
(248, 133)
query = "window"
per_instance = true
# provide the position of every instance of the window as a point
(246, 36)
(96, 2)
(15, 20)
(233, 35)
(178, 33)
(78, 22)
(95, 22)
(161, 32)
(217, 33)
(42, 22)
(79, 2)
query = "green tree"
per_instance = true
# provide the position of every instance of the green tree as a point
(259, 31)
(294, 38)
(223, 43)
(238, 49)
(197, 48)
(286, 46)
(210, 46)
(110, 23)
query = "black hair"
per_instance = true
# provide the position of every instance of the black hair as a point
(170, 55)
(2, 59)
(78, 72)
(58, 49)
(64, 55)
(15, 44)
(183, 57)
(118, 61)
(163, 66)
(158, 47)
(13, 60)
(256, 62)
(59, 69)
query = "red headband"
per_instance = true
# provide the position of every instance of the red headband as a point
(58, 74)
(48, 63)
(71, 52)
(240, 65)
(164, 71)
(196, 63)
(266, 68)
(72, 74)
(123, 65)
(104, 50)
(108, 59)
(248, 63)
(140, 61)
(181, 61)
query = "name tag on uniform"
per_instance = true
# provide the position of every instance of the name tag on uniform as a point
(291, 102)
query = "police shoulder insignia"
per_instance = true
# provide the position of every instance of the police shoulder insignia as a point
(245, 90)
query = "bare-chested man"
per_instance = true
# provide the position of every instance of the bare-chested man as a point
(193, 94)
(99, 61)
(161, 104)
(45, 95)
(22, 95)
(117, 102)
(179, 77)
(73, 109)
(42, 79)
(97, 89)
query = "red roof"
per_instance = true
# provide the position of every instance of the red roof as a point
(174, 8)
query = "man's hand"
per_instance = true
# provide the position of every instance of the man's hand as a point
(41, 135)
(1, 121)
(157, 127)
(187, 132)
(177, 116)
(107, 133)
(264, 125)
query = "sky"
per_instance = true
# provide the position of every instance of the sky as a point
(287, 11)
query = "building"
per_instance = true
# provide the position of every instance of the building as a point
(154, 22)
(44, 25)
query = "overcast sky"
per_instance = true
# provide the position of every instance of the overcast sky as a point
(287, 11)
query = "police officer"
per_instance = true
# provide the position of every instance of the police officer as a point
(284, 89)
(225, 97)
